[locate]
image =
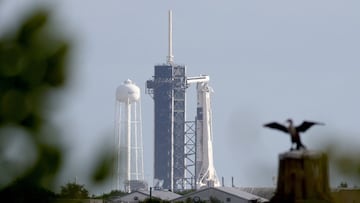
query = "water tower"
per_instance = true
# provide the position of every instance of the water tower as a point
(129, 168)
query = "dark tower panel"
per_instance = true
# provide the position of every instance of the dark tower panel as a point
(168, 91)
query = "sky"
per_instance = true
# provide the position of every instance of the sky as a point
(267, 61)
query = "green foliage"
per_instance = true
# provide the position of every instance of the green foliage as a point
(32, 65)
(74, 191)
(103, 166)
(345, 161)
(22, 191)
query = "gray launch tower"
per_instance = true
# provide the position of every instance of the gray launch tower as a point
(168, 91)
(183, 157)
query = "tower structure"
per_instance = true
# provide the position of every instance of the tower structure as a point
(168, 91)
(183, 153)
(129, 168)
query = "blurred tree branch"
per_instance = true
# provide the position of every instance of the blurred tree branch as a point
(33, 63)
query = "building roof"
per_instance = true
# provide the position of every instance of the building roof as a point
(241, 193)
(264, 192)
(163, 194)
(143, 194)
(237, 192)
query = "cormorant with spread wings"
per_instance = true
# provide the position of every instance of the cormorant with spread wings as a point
(293, 131)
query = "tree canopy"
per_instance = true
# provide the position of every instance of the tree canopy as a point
(74, 191)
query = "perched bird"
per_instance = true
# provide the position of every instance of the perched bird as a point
(293, 131)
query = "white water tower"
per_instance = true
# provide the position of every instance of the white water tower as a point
(129, 167)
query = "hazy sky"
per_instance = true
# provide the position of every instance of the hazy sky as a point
(267, 61)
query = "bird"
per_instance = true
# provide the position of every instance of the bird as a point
(293, 131)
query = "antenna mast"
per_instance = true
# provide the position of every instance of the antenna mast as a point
(170, 58)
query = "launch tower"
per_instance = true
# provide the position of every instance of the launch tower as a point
(168, 91)
(183, 152)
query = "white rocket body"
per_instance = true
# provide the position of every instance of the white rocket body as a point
(205, 172)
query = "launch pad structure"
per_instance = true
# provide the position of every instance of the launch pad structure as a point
(183, 153)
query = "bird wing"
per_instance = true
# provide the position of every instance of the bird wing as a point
(306, 125)
(277, 126)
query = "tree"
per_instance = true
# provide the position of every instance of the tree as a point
(32, 65)
(74, 191)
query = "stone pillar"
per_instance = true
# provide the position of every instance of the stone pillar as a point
(302, 177)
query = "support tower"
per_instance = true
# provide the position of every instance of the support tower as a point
(183, 157)
(168, 91)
